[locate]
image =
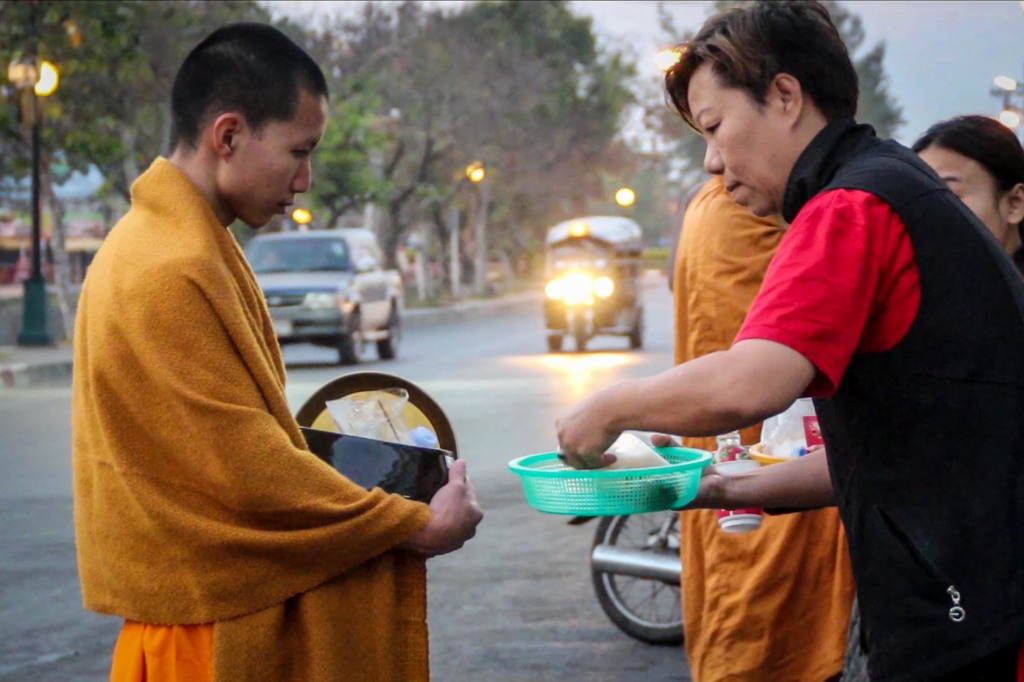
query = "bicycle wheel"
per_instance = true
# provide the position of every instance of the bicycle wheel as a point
(646, 609)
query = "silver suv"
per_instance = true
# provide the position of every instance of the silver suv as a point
(327, 287)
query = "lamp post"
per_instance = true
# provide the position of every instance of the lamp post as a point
(1006, 88)
(34, 81)
(477, 174)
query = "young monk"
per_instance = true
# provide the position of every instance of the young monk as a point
(891, 305)
(230, 550)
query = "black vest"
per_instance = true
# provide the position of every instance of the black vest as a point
(926, 440)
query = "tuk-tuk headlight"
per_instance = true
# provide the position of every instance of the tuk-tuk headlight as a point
(603, 287)
(574, 287)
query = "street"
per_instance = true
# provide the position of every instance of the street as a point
(515, 605)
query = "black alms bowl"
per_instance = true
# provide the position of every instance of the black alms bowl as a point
(409, 470)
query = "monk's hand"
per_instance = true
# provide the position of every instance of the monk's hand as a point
(455, 517)
(584, 435)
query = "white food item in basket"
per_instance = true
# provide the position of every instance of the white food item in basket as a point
(632, 453)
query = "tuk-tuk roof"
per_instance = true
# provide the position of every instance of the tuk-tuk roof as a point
(616, 230)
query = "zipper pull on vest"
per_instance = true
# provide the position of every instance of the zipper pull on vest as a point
(956, 612)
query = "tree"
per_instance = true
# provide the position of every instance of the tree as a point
(876, 105)
(117, 63)
(345, 166)
(520, 86)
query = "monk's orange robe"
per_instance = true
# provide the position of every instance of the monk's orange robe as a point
(771, 604)
(163, 653)
(196, 499)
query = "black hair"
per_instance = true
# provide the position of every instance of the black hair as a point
(748, 46)
(988, 142)
(250, 68)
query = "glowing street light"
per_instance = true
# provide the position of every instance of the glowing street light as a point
(23, 73)
(1011, 118)
(302, 216)
(1005, 83)
(476, 172)
(49, 79)
(625, 197)
(1007, 89)
(666, 59)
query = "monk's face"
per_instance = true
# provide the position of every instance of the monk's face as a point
(749, 144)
(267, 168)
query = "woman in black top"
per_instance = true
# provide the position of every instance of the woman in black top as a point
(982, 162)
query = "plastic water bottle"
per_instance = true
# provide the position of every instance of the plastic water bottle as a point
(729, 448)
(732, 458)
(423, 437)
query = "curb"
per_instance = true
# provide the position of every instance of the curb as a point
(24, 375)
(423, 317)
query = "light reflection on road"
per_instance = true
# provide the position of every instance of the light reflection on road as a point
(585, 372)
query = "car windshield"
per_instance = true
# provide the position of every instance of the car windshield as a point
(297, 255)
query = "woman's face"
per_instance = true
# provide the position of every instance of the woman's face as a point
(977, 188)
(748, 144)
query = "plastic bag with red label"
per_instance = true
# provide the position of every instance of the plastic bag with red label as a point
(793, 431)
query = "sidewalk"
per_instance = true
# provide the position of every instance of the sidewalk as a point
(22, 367)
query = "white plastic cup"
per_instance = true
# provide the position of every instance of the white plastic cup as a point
(738, 520)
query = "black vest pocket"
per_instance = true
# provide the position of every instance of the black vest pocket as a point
(903, 581)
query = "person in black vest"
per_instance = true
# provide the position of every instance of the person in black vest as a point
(983, 163)
(890, 304)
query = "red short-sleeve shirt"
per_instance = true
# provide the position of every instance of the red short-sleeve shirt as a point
(843, 281)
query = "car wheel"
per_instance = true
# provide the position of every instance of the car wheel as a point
(350, 345)
(387, 348)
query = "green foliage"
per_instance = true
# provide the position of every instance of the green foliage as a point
(418, 91)
(343, 166)
(521, 87)
(112, 106)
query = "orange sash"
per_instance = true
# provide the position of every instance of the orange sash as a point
(163, 653)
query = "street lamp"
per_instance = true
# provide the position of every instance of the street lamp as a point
(1010, 117)
(1006, 88)
(477, 174)
(667, 58)
(302, 217)
(34, 81)
(625, 197)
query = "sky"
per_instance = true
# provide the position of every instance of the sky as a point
(941, 57)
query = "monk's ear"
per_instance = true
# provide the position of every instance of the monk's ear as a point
(786, 96)
(226, 133)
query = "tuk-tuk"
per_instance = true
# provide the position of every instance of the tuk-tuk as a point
(592, 268)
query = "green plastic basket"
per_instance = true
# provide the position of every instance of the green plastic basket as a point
(552, 486)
